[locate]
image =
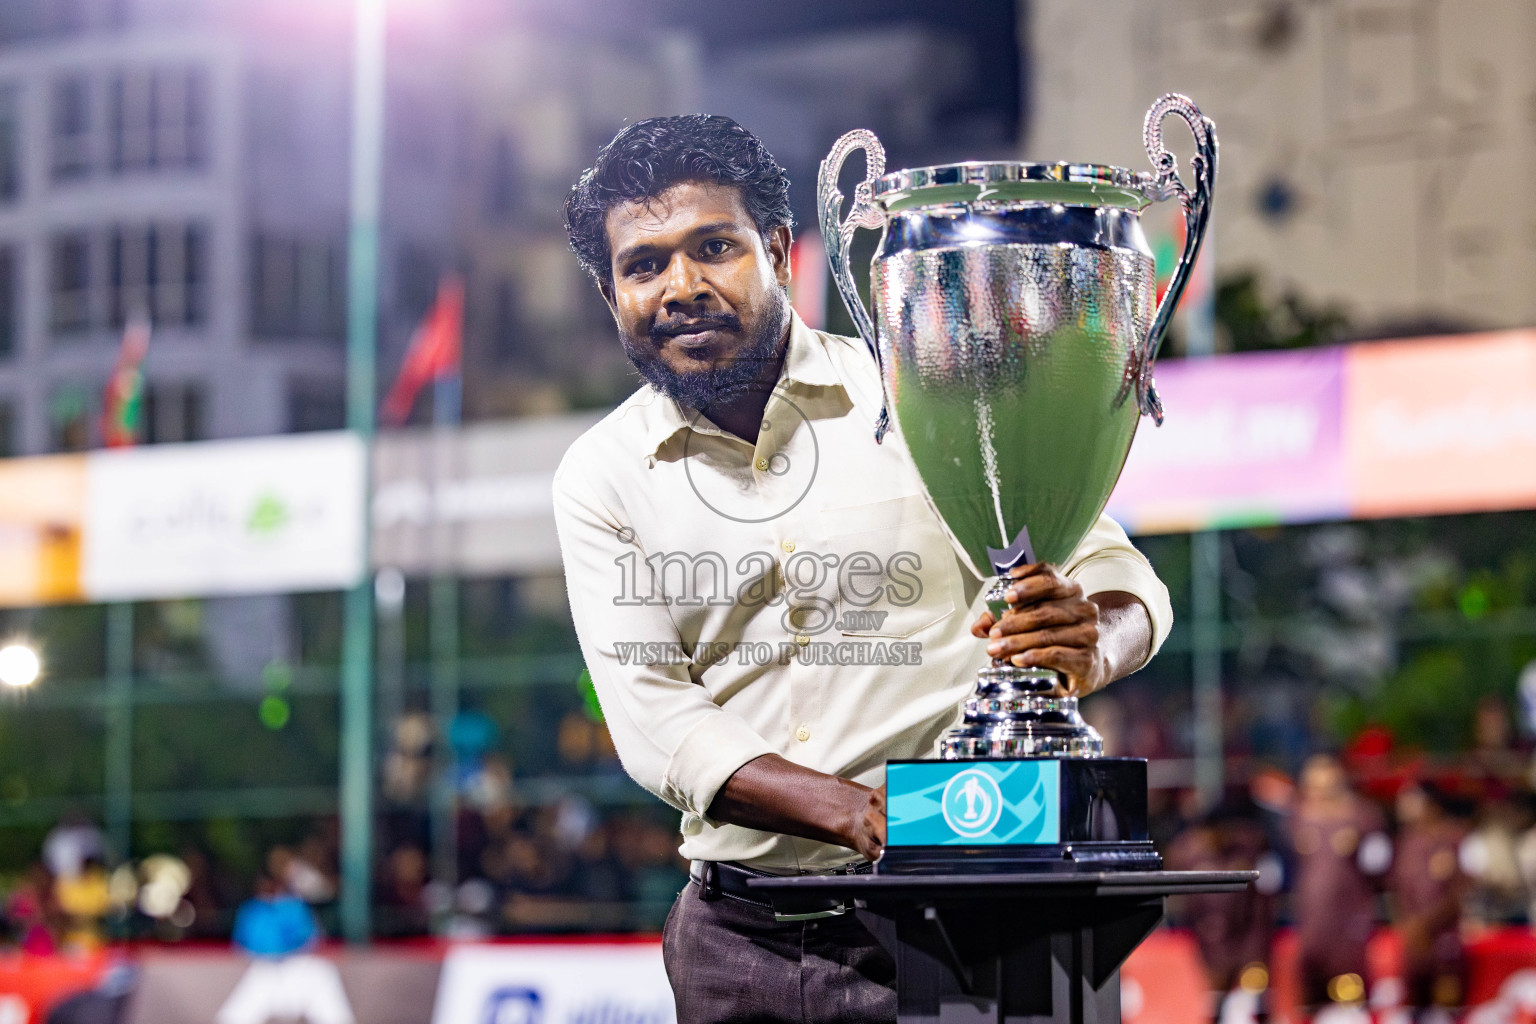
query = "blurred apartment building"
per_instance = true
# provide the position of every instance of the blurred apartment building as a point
(191, 161)
(1372, 151)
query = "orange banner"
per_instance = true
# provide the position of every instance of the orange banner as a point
(42, 509)
(1441, 425)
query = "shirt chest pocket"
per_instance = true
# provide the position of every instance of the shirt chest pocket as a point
(896, 573)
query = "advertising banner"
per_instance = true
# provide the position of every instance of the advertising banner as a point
(1447, 425)
(1248, 440)
(368, 986)
(42, 507)
(476, 500)
(224, 517)
(574, 984)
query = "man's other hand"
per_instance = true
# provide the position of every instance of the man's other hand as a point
(1049, 624)
(869, 829)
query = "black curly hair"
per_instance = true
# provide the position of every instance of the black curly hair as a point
(650, 156)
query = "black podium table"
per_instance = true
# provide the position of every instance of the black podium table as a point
(1018, 948)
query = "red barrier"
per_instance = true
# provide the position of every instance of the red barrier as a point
(1163, 982)
(30, 986)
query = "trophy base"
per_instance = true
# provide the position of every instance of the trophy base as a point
(1015, 713)
(1038, 814)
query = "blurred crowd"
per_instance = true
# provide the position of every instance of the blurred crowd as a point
(514, 864)
(1347, 843)
(1365, 837)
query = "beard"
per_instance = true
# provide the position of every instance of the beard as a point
(701, 389)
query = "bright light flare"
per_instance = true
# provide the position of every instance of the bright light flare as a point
(19, 666)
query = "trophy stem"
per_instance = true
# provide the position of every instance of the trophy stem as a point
(1016, 712)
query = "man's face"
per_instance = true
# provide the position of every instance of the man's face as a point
(697, 293)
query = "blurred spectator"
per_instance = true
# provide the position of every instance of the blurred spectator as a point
(402, 893)
(274, 922)
(1233, 931)
(278, 929)
(1490, 857)
(408, 765)
(83, 899)
(1494, 757)
(31, 910)
(1427, 887)
(72, 842)
(299, 876)
(1342, 850)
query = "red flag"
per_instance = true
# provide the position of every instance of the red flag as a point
(122, 405)
(434, 353)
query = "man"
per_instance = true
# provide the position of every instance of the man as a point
(766, 603)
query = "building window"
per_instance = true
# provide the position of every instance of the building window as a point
(10, 144)
(316, 405)
(173, 412)
(154, 270)
(70, 419)
(8, 445)
(73, 139)
(7, 301)
(71, 283)
(298, 288)
(508, 339)
(158, 119)
(158, 271)
(502, 179)
(417, 272)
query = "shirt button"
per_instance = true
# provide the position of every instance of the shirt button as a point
(802, 734)
(767, 426)
(802, 639)
(762, 465)
(788, 546)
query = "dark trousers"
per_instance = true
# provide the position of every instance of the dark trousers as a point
(730, 961)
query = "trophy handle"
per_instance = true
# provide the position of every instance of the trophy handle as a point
(837, 236)
(1197, 216)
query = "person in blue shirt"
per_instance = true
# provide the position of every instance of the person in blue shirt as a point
(274, 922)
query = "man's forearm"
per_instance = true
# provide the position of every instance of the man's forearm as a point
(1125, 631)
(772, 794)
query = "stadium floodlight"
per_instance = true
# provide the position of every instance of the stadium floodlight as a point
(19, 666)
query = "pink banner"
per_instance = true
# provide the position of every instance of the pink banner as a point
(1248, 440)
(1398, 428)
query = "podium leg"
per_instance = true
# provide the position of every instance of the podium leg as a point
(1011, 965)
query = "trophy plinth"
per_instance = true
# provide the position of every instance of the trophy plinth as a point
(1016, 321)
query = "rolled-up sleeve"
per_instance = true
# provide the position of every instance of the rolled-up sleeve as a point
(672, 738)
(1107, 560)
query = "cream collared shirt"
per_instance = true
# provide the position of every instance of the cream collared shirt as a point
(797, 597)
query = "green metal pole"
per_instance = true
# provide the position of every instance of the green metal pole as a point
(1205, 610)
(118, 810)
(356, 796)
(443, 623)
(444, 700)
(1205, 588)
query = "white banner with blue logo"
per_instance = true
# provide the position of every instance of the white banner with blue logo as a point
(577, 984)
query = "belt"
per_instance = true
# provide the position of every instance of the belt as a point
(718, 879)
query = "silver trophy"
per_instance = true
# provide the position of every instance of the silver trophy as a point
(1015, 323)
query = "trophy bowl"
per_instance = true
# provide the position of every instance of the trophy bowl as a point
(1015, 324)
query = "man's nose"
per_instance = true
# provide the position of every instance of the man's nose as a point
(685, 286)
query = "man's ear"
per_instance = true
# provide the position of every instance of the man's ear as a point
(606, 288)
(779, 241)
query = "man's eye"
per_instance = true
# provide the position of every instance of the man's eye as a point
(716, 247)
(643, 267)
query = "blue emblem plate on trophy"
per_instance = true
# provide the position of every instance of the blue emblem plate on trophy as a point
(973, 803)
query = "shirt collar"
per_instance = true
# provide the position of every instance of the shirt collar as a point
(806, 363)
